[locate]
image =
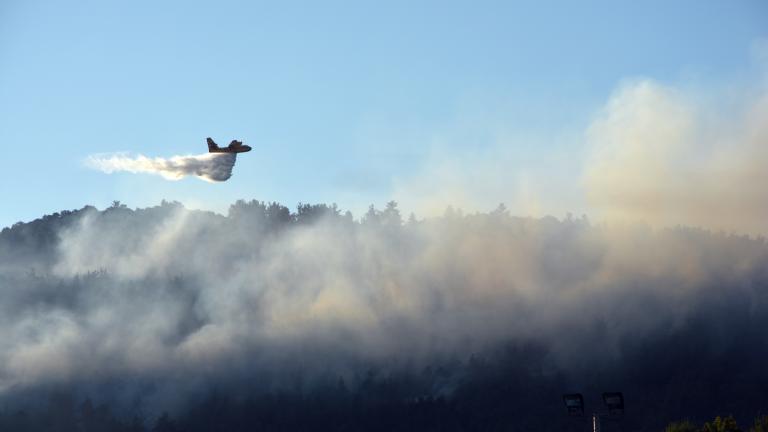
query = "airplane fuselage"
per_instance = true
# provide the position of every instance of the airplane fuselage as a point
(228, 149)
(234, 147)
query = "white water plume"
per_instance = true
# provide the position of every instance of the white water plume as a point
(209, 167)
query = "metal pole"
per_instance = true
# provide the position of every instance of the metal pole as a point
(595, 422)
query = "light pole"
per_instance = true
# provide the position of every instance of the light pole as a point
(574, 403)
(614, 402)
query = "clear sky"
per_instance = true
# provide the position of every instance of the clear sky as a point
(348, 102)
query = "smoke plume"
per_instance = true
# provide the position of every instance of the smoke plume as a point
(209, 167)
(483, 319)
(166, 303)
(660, 155)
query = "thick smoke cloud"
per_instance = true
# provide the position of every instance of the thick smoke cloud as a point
(150, 309)
(209, 167)
(665, 156)
(653, 153)
(169, 303)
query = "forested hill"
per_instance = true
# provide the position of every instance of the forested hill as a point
(314, 319)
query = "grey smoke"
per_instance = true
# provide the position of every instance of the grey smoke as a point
(188, 299)
(209, 167)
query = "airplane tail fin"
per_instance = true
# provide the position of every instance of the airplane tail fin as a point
(211, 145)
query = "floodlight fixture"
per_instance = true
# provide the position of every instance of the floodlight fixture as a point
(574, 403)
(614, 401)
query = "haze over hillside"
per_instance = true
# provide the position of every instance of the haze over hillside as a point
(486, 317)
(642, 126)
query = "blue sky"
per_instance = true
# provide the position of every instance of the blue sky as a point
(345, 102)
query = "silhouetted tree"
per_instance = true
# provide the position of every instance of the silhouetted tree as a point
(278, 214)
(117, 205)
(681, 426)
(372, 216)
(164, 423)
(61, 413)
(722, 424)
(310, 213)
(391, 215)
(760, 424)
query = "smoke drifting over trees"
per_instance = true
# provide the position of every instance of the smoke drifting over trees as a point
(475, 321)
(661, 155)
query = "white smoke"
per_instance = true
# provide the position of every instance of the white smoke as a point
(660, 155)
(186, 291)
(208, 166)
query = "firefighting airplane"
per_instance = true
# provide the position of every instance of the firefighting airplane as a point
(234, 147)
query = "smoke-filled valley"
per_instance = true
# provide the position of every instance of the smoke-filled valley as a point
(312, 319)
